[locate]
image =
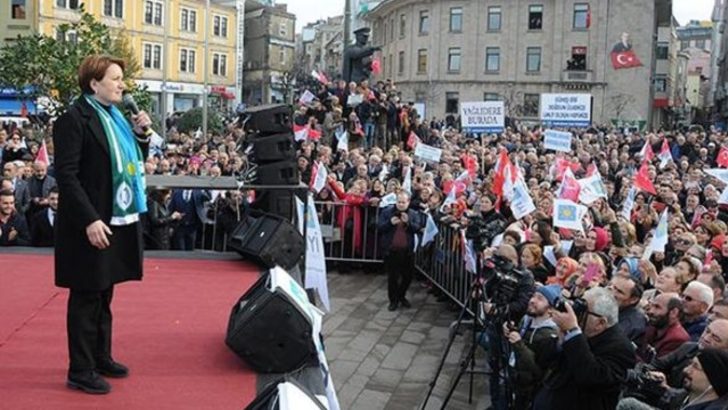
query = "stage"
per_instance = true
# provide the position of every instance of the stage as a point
(169, 329)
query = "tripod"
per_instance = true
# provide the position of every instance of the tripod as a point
(476, 295)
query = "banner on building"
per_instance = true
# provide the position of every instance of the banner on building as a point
(482, 116)
(566, 110)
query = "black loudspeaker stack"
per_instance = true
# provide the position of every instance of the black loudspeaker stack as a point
(269, 331)
(268, 240)
(270, 131)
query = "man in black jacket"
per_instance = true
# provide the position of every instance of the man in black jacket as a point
(594, 360)
(397, 228)
(41, 232)
(632, 319)
(13, 228)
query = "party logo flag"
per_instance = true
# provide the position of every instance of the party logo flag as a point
(568, 214)
(592, 188)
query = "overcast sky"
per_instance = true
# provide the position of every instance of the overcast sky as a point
(307, 11)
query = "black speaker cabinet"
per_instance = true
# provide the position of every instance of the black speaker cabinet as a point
(270, 332)
(277, 173)
(269, 119)
(276, 147)
(268, 240)
(277, 202)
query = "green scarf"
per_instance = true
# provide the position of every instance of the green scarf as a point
(127, 165)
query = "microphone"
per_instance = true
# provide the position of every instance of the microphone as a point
(132, 106)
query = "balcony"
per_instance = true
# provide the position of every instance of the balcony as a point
(577, 76)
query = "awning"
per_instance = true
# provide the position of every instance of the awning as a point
(15, 107)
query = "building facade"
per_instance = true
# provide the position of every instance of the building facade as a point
(441, 53)
(322, 46)
(270, 49)
(17, 18)
(169, 39)
(696, 34)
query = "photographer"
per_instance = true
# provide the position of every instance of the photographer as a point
(594, 359)
(534, 345)
(397, 227)
(501, 279)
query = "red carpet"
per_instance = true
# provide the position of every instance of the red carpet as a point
(169, 329)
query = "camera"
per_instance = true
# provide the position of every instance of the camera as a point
(578, 305)
(482, 233)
(643, 386)
(503, 279)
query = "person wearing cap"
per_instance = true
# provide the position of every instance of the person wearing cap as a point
(534, 345)
(594, 359)
(706, 380)
(357, 64)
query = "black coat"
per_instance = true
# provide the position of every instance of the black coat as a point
(41, 231)
(83, 174)
(386, 229)
(157, 224)
(590, 373)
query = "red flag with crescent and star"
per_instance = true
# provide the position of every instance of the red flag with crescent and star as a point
(625, 59)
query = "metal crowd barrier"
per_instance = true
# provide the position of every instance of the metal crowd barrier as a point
(339, 228)
(441, 261)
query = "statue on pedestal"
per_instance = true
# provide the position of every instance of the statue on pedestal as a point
(357, 58)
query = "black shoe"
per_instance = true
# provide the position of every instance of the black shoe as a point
(89, 382)
(113, 369)
(393, 306)
(405, 303)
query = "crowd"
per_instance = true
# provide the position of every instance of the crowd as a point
(654, 315)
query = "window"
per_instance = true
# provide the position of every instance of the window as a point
(400, 67)
(283, 31)
(187, 60)
(494, 18)
(660, 83)
(582, 16)
(535, 17)
(67, 4)
(453, 60)
(391, 65)
(70, 36)
(663, 51)
(452, 102)
(491, 97)
(424, 22)
(152, 57)
(153, 12)
(114, 8)
(391, 30)
(17, 9)
(282, 56)
(492, 59)
(700, 44)
(531, 104)
(219, 26)
(219, 64)
(456, 19)
(402, 25)
(578, 59)
(188, 20)
(533, 59)
(422, 61)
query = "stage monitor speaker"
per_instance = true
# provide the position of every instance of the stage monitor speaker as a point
(277, 173)
(269, 331)
(269, 119)
(276, 147)
(286, 394)
(268, 240)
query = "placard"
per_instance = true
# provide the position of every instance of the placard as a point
(428, 153)
(566, 110)
(557, 140)
(482, 116)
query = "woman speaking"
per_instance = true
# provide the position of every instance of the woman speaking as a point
(100, 171)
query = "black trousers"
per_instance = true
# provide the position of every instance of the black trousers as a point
(88, 324)
(399, 265)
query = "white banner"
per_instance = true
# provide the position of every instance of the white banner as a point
(557, 140)
(566, 110)
(482, 116)
(315, 258)
(521, 201)
(428, 153)
(568, 214)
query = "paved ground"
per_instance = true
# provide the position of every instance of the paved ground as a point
(386, 360)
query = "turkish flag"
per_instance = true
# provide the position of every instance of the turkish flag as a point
(722, 159)
(42, 155)
(625, 59)
(413, 140)
(642, 180)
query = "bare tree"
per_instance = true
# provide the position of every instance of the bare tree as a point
(619, 102)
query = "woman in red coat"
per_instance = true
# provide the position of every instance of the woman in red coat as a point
(354, 200)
